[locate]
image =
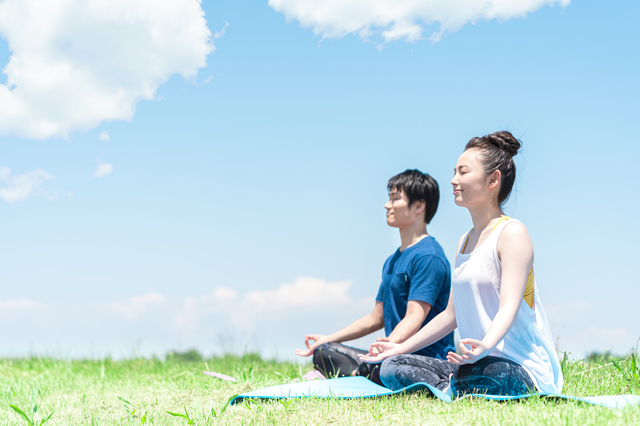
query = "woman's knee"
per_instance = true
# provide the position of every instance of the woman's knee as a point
(493, 375)
(392, 372)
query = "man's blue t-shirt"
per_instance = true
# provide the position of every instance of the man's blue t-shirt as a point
(420, 272)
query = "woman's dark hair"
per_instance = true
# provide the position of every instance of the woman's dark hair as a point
(418, 186)
(496, 153)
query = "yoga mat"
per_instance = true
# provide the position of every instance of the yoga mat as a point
(359, 387)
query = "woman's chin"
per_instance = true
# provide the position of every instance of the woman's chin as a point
(459, 202)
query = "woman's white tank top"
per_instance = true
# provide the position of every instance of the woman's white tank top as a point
(476, 293)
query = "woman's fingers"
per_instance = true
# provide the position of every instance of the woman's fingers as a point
(472, 342)
(463, 348)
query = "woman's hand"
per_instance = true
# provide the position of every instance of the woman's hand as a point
(379, 351)
(317, 339)
(478, 351)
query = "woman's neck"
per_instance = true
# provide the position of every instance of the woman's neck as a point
(412, 235)
(484, 215)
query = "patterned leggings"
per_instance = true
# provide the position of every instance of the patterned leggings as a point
(491, 375)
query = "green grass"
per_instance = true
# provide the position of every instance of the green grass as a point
(143, 391)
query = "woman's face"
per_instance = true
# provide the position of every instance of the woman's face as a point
(471, 186)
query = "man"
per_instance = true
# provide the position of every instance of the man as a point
(416, 282)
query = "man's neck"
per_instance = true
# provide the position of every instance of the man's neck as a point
(412, 234)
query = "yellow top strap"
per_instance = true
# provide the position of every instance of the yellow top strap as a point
(529, 290)
(502, 219)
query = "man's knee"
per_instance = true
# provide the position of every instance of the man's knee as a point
(321, 352)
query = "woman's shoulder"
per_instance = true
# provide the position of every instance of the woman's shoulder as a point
(515, 228)
(513, 233)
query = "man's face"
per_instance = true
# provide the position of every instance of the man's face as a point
(399, 213)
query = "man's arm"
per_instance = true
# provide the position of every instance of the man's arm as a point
(365, 325)
(428, 273)
(417, 312)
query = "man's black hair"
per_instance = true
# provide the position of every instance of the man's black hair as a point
(418, 186)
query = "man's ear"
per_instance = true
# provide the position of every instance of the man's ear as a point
(419, 206)
(494, 179)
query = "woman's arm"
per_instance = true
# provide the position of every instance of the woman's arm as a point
(516, 257)
(434, 330)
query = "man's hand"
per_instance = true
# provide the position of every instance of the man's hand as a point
(317, 339)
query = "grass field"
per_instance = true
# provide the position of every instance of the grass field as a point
(141, 391)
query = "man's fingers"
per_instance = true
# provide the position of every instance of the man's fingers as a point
(301, 352)
(306, 340)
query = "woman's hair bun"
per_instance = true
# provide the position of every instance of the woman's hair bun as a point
(505, 141)
(496, 152)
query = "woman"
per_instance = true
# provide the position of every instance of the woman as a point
(505, 340)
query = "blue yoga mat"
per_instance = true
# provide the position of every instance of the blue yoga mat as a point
(359, 387)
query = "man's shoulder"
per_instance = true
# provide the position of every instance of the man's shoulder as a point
(429, 248)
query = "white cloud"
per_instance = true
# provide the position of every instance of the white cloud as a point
(20, 187)
(77, 63)
(104, 136)
(103, 169)
(572, 324)
(225, 319)
(220, 34)
(304, 292)
(224, 293)
(138, 305)
(401, 19)
(20, 304)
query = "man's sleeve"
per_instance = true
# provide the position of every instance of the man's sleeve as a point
(380, 296)
(428, 274)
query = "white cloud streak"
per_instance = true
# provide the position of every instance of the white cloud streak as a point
(220, 34)
(400, 19)
(22, 186)
(104, 136)
(20, 304)
(77, 63)
(273, 321)
(102, 170)
(138, 305)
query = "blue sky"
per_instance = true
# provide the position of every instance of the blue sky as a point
(244, 203)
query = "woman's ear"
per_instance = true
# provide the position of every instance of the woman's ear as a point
(494, 179)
